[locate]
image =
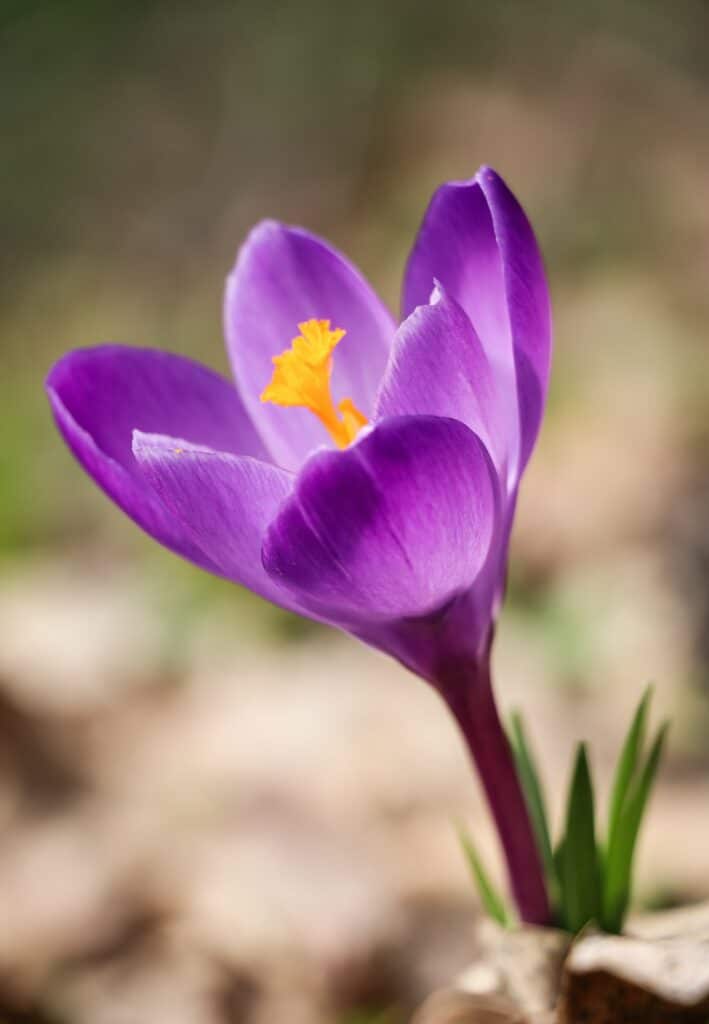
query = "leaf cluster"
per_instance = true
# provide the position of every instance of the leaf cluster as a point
(587, 880)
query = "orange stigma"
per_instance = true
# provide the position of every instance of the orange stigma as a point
(301, 377)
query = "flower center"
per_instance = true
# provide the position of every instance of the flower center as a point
(301, 377)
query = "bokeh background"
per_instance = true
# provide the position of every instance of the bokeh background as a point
(210, 811)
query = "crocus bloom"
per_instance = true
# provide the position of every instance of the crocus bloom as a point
(361, 473)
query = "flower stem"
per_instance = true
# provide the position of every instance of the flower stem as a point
(473, 704)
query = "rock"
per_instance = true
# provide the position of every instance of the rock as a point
(663, 978)
(657, 975)
(525, 962)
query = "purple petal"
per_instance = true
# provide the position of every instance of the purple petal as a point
(395, 525)
(224, 503)
(100, 395)
(438, 367)
(460, 633)
(529, 304)
(283, 276)
(476, 240)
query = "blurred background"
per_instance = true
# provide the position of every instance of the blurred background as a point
(210, 811)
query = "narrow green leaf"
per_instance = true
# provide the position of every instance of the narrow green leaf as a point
(619, 856)
(559, 858)
(491, 899)
(534, 795)
(627, 765)
(577, 857)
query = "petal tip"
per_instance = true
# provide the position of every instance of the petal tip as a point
(262, 231)
(58, 371)
(75, 357)
(486, 172)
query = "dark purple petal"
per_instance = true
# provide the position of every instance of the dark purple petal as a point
(100, 395)
(438, 367)
(224, 503)
(461, 630)
(395, 525)
(284, 275)
(476, 240)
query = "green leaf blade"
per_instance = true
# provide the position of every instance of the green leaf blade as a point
(619, 856)
(534, 797)
(627, 766)
(491, 899)
(577, 855)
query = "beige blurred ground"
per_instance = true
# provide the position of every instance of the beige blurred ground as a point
(275, 826)
(209, 813)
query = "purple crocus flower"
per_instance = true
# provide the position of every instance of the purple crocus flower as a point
(385, 510)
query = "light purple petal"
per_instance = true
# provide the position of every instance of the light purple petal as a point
(394, 526)
(529, 304)
(438, 367)
(224, 503)
(284, 275)
(456, 245)
(100, 395)
(476, 240)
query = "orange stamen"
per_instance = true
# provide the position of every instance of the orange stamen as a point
(301, 377)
